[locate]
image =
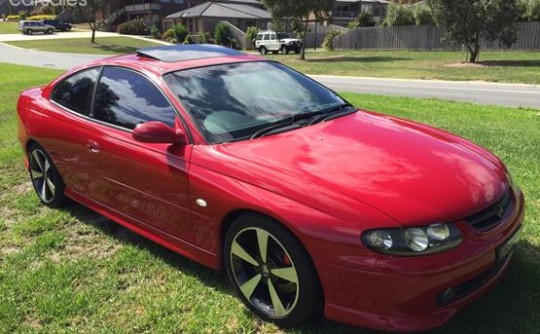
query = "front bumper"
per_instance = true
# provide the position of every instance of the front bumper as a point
(412, 293)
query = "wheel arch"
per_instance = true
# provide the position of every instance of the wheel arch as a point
(233, 215)
(29, 143)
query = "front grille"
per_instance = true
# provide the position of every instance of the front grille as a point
(494, 214)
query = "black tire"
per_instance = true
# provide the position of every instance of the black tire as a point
(284, 50)
(29, 31)
(50, 31)
(263, 50)
(283, 288)
(45, 178)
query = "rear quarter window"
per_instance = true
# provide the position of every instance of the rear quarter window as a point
(75, 93)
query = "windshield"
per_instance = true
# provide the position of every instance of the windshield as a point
(234, 101)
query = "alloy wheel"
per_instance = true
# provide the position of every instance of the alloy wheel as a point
(42, 176)
(264, 272)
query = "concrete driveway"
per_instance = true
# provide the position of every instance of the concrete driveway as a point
(56, 35)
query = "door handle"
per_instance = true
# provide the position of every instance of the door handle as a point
(92, 146)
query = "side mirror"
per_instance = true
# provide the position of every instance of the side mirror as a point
(158, 132)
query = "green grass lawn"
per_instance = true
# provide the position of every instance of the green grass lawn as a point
(9, 28)
(103, 45)
(71, 271)
(501, 66)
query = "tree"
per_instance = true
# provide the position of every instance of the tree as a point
(423, 16)
(399, 15)
(470, 21)
(300, 11)
(89, 9)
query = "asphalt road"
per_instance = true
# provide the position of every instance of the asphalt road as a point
(513, 95)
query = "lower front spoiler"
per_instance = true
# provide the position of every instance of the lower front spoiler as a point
(421, 321)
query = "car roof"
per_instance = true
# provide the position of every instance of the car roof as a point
(170, 58)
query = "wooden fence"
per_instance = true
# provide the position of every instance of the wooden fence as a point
(425, 38)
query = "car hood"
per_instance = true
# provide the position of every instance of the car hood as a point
(413, 173)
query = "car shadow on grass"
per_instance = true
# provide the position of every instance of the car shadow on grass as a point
(510, 307)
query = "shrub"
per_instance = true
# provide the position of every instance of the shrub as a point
(41, 17)
(251, 35)
(222, 34)
(133, 27)
(13, 18)
(365, 19)
(399, 15)
(22, 15)
(423, 16)
(328, 42)
(155, 31)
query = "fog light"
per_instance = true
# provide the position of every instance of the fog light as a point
(417, 239)
(446, 297)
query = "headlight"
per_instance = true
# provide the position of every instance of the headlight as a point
(413, 240)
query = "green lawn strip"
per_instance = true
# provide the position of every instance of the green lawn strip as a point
(497, 66)
(71, 271)
(9, 28)
(103, 45)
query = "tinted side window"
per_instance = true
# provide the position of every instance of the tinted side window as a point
(75, 93)
(125, 98)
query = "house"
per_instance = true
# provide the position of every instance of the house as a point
(204, 17)
(345, 11)
(115, 12)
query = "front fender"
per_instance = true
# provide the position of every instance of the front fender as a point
(326, 238)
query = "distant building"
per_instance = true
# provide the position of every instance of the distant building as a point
(345, 11)
(204, 17)
(119, 11)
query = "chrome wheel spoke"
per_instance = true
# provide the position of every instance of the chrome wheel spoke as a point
(250, 286)
(43, 191)
(36, 157)
(288, 274)
(262, 239)
(279, 310)
(47, 166)
(237, 250)
(36, 174)
(52, 187)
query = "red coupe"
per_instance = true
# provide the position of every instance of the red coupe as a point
(309, 204)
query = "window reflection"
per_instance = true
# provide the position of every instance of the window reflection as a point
(125, 98)
(75, 93)
(233, 101)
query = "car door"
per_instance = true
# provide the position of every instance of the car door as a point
(70, 104)
(143, 181)
(273, 42)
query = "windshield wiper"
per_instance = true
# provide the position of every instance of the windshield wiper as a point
(285, 123)
(334, 112)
